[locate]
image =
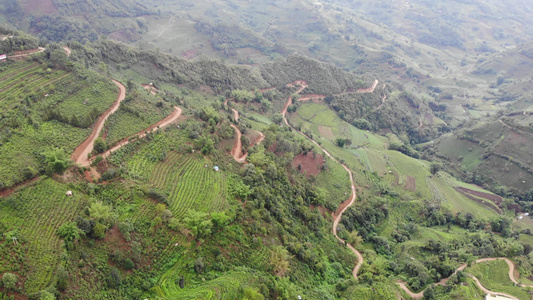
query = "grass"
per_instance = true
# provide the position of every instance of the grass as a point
(494, 275)
(336, 181)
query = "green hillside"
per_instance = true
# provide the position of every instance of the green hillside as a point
(258, 120)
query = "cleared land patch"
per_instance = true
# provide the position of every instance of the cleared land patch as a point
(308, 164)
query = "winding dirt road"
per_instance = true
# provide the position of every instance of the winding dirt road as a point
(370, 89)
(28, 52)
(342, 208)
(511, 265)
(82, 152)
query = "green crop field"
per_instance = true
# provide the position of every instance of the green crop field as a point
(134, 116)
(34, 214)
(189, 184)
(183, 178)
(227, 286)
(494, 275)
(29, 91)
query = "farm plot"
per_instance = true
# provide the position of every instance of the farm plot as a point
(318, 114)
(34, 214)
(190, 184)
(494, 275)
(224, 287)
(30, 92)
(135, 115)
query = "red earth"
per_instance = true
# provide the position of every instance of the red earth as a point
(309, 165)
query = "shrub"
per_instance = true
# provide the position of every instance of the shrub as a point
(9, 280)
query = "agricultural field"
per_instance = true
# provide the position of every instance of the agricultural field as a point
(494, 275)
(410, 176)
(38, 116)
(33, 215)
(135, 114)
(227, 286)
(190, 183)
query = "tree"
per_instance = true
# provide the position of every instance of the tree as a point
(198, 223)
(46, 295)
(250, 293)
(354, 239)
(279, 260)
(434, 168)
(70, 233)
(220, 219)
(100, 145)
(62, 278)
(277, 118)
(99, 230)
(199, 265)
(9, 280)
(114, 279)
(100, 213)
(429, 293)
(56, 161)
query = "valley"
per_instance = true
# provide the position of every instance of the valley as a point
(269, 150)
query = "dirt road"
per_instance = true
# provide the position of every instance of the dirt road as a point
(67, 50)
(342, 208)
(29, 52)
(370, 89)
(419, 295)
(81, 154)
(236, 152)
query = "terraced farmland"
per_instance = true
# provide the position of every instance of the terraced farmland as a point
(35, 213)
(29, 91)
(189, 184)
(224, 287)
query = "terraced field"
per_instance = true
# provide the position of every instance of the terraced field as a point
(224, 287)
(494, 275)
(35, 213)
(190, 184)
(28, 94)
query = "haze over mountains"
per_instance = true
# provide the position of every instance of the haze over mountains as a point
(266, 149)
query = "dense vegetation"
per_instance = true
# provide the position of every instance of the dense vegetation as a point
(173, 215)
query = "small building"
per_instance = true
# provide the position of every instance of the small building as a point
(69, 193)
(216, 168)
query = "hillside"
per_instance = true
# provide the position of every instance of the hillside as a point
(345, 165)
(454, 65)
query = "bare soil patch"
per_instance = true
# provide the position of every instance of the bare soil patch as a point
(324, 211)
(429, 118)
(410, 184)
(309, 164)
(189, 54)
(150, 88)
(326, 132)
(39, 7)
(494, 198)
(475, 196)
